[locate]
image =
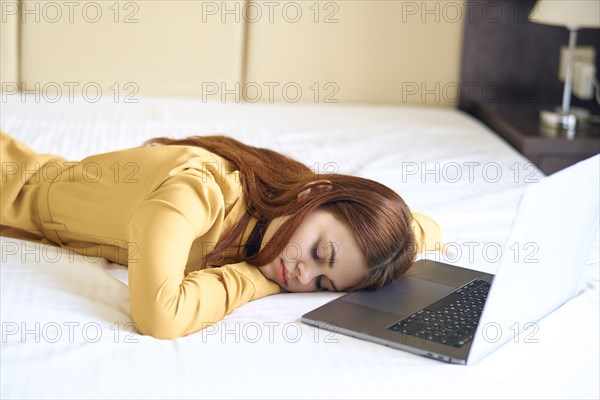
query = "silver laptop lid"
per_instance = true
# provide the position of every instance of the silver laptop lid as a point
(549, 242)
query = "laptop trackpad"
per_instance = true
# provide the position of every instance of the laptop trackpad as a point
(403, 297)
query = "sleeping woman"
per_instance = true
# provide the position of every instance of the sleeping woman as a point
(206, 224)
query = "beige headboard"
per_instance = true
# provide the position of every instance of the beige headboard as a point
(260, 51)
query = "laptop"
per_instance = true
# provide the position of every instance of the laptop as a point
(460, 315)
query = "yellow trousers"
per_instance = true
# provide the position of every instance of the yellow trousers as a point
(26, 178)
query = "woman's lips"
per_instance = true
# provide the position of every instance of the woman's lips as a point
(282, 272)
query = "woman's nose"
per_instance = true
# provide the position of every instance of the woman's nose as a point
(306, 273)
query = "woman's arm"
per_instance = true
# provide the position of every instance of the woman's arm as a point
(165, 303)
(428, 233)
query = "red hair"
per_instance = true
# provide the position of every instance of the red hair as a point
(271, 183)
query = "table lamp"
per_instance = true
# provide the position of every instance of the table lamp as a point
(573, 14)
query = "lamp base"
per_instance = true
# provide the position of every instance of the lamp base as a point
(555, 121)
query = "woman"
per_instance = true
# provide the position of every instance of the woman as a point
(206, 224)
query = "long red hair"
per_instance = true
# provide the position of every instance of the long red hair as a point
(271, 183)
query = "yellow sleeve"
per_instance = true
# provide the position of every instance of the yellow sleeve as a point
(428, 233)
(165, 303)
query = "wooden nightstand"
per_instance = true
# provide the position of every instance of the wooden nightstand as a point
(519, 126)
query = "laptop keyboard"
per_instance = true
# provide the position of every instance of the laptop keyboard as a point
(452, 320)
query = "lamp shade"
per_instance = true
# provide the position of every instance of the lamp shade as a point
(569, 13)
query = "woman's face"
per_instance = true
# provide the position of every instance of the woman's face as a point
(322, 255)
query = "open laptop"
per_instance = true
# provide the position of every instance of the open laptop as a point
(461, 315)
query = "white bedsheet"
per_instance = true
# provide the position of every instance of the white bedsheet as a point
(65, 331)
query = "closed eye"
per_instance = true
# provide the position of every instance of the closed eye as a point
(319, 287)
(313, 251)
(315, 256)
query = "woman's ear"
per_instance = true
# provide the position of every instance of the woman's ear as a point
(324, 185)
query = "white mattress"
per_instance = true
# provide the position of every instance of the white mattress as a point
(64, 317)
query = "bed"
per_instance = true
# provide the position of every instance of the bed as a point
(66, 329)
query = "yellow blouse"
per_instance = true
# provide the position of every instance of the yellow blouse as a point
(157, 209)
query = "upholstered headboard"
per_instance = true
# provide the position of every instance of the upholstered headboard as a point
(343, 51)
